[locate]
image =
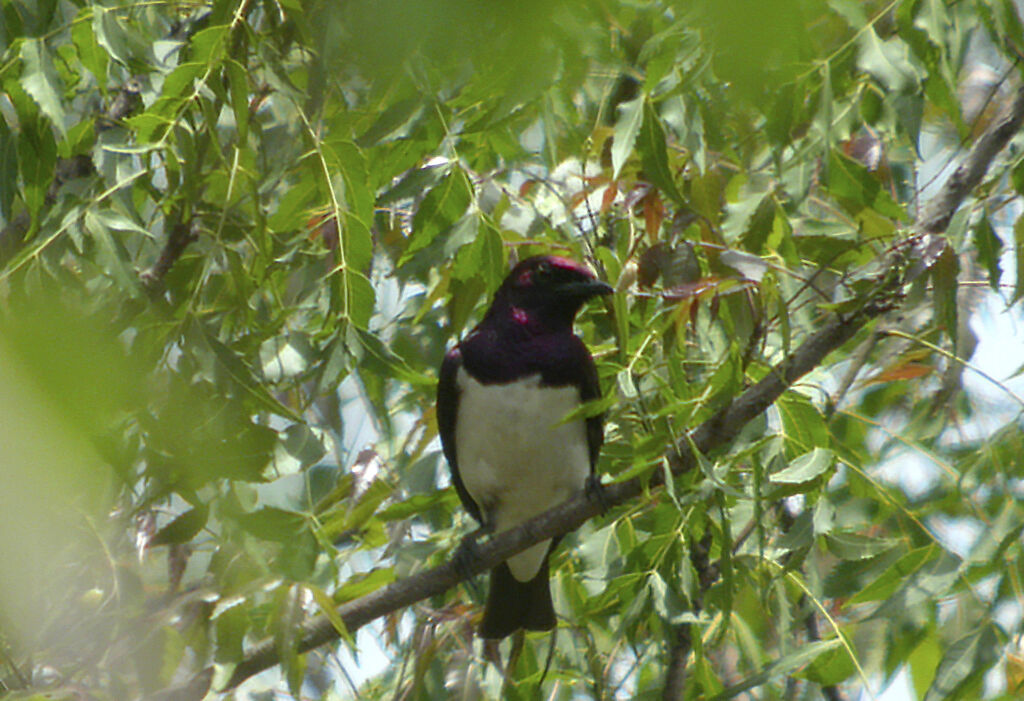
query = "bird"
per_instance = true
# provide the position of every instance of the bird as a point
(504, 392)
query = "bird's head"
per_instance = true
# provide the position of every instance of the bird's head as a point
(546, 291)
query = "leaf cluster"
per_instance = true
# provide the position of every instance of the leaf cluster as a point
(236, 238)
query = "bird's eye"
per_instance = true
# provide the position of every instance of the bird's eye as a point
(543, 270)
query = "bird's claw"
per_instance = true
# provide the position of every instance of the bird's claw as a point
(595, 492)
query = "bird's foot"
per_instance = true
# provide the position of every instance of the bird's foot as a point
(595, 492)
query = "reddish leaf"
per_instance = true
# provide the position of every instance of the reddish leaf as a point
(609, 197)
(654, 213)
(905, 371)
(324, 224)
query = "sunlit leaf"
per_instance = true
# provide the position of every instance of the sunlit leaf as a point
(894, 576)
(654, 153)
(364, 584)
(805, 467)
(963, 664)
(627, 126)
(39, 79)
(437, 213)
(92, 55)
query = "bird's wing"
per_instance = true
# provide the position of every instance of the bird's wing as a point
(590, 389)
(447, 411)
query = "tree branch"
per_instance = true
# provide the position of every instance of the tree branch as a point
(940, 209)
(178, 238)
(715, 433)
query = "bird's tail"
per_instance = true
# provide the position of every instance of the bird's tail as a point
(512, 604)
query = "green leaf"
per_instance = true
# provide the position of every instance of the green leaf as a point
(238, 89)
(894, 576)
(158, 657)
(627, 126)
(887, 60)
(824, 518)
(458, 244)
(726, 379)
(39, 79)
(759, 226)
(944, 274)
(414, 182)
(833, 666)
(231, 623)
(37, 155)
(183, 528)
(287, 619)
(356, 200)
(413, 506)
(989, 246)
(79, 139)
(90, 53)
(363, 584)
(484, 257)
(9, 170)
(803, 425)
(490, 255)
(329, 609)
(1011, 29)
(358, 298)
(782, 667)
(854, 546)
(374, 355)
(178, 86)
(654, 154)
(209, 45)
(286, 357)
(271, 523)
(112, 254)
(799, 535)
(125, 46)
(859, 189)
(437, 213)
(393, 123)
(240, 374)
(303, 447)
(805, 468)
(366, 508)
(963, 664)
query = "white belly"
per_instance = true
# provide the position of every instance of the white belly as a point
(518, 459)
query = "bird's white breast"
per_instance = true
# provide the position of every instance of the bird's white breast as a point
(516, 457)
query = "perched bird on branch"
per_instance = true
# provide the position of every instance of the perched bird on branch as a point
(503, 396)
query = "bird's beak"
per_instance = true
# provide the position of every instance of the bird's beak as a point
(586, 290)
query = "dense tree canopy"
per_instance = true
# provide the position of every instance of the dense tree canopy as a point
(237, 236)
